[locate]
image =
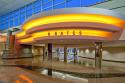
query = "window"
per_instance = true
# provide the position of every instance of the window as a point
(47, 9)
(58, 1)
(37, 6)
(22, 15)
(28, 13)
(11, 15)
(23, 10)
(74, 3)
(1, 26)
(59, 6)
(46, 5)
(16, 21)
(46, 1)
(11, 23)
(36, 10)
(22, 18)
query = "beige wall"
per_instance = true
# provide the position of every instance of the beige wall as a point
(37, 50)
(109, 53)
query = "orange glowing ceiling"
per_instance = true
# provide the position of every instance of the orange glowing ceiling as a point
(67, 32)
(70, 18)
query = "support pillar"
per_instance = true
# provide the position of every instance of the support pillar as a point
(50, 57)
(43, 53)
(9, 45)
(50, 52)
(98, 54)
(65, 54)
(9, 34)
(58, 54)
(75, 55)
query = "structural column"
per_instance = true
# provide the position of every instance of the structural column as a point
(43, 53)
(9, 34)
(75, 55)
(50, 58)
(50, 52)
(98, 54)
(65, 54)
(8, 52)
(57, 53)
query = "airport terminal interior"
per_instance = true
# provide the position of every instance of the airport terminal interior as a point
(62, 41)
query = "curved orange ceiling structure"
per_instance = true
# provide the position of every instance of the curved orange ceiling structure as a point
(94, 18)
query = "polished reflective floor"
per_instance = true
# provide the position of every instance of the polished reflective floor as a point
(35, 70)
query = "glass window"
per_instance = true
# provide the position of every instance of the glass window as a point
(36, 10)
(22, 14)
(29, 7)
(73, 3)
(11, 15)
(16, 22)
(22, 20)
(59, 6)
(7, 24)
(46, 5)
(28, 13)
(37, 6)
(6, 17)
(47, 9)
(1, 27)
(2, 19)
(45, 1)
(37, 3)
(16, 13)
(58, 1)
(22, 10)
(11, 23)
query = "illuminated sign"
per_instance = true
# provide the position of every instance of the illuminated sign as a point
(67, 32)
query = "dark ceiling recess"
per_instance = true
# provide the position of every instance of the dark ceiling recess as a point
(117, 7)
(101, 2)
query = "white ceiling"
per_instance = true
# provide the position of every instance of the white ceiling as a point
(115, 5)
(11, 5)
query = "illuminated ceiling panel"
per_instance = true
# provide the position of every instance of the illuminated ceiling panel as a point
(67, 32)
(82, 15)
(71, 18)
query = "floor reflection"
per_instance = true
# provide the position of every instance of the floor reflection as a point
(35, 69)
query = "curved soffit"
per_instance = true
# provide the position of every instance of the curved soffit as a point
(104, 14)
